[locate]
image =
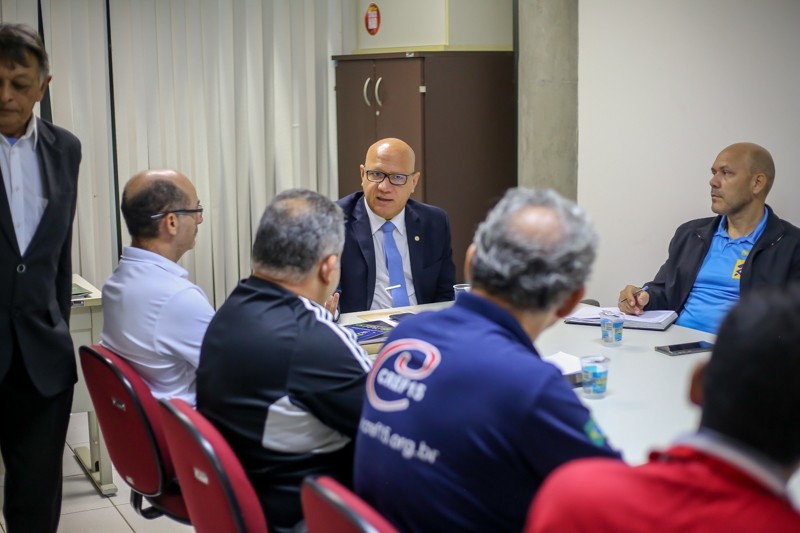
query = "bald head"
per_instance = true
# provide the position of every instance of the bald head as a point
(151, 192)
(537, 223)
(757, 158)
(385, 161)
(392, 149)
(146, 178)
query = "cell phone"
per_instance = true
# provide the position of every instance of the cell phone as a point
(683, 349)
(400, 316)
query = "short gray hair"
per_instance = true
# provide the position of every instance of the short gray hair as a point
(529, 269)
(298, 229)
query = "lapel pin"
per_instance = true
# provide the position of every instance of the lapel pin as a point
(416, 238)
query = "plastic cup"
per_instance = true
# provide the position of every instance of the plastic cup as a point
(594, 375)
(460, 287)
(611, 328)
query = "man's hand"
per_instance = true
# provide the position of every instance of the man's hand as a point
(332, 303)
(633, 299)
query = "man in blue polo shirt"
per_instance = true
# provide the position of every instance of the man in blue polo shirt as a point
(462, 420)
(711, 260)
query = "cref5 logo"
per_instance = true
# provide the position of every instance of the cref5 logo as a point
(393, 383)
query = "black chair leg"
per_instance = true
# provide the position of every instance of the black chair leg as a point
(149, 512)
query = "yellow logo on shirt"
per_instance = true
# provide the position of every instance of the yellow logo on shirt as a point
(737, 269)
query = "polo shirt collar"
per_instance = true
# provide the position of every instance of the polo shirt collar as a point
(493, 312)
(722, 230)
(132, 253)
(750, 461)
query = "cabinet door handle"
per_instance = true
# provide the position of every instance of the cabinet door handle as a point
(377, 88)
(364, 92)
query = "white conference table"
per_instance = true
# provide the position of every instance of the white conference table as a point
(85, 326)
(647, 405)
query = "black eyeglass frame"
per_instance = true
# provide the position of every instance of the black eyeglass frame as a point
(198, 209)
(392, 177)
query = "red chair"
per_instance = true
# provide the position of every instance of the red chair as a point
(218, 494)
(330, 507)
(131, 425)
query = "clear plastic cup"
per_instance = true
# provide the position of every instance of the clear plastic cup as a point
(594, 376)
(611, 327)
(459, 288)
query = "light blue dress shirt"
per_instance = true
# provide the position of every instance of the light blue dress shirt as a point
(382, 299)
(156, 318)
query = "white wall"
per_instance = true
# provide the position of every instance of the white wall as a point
(662, 88)
(438, 25)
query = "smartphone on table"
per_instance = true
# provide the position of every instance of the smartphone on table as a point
(685, 348)
(400, 316)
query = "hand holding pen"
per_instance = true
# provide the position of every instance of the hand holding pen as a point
(633, 299)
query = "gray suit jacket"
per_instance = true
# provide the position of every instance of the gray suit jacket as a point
(35, 288)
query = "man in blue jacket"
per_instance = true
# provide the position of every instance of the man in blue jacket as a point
(712, 260)
(397, 251)
(462, 419)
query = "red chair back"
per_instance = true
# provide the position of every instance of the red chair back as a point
(129, 419)
(218, 494)
(330, 507)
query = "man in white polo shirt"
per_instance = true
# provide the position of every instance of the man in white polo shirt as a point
(153, 316)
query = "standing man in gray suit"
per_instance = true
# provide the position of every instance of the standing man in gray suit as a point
(39, 166)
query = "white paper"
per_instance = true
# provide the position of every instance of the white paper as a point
(568, 364)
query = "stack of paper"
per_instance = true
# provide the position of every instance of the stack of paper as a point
(569, 365)
(79, 291)
(657, 320)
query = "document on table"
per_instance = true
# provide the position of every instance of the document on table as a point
(656, 320)
(569, 365)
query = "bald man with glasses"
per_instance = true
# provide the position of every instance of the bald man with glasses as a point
(153, 316)
(397, 251)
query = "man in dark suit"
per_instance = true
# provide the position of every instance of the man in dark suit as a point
(397, 251)
(39, 166)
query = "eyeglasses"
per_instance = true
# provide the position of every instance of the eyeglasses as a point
(198, 210)
(395, 179)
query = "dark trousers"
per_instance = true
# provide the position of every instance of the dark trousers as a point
(32, 434)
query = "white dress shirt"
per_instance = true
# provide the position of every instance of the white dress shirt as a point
(382, 298)
(22, 178)
(156, 318)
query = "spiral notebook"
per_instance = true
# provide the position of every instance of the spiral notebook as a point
(655, 320)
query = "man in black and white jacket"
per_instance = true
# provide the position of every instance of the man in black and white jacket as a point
(278, 377)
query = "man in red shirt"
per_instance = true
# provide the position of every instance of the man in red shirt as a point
(731, 474)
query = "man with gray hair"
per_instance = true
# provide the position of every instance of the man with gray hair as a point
(278, 377)
(462, 420)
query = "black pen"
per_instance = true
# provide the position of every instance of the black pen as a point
(635, 293)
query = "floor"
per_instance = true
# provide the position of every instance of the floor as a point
(84, 510)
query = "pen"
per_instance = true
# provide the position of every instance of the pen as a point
(635, 293)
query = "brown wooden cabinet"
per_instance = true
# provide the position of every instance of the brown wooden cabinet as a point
(457, 110)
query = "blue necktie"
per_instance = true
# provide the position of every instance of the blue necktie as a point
(394, 264)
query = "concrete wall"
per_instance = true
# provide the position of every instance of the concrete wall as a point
(548, 95)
